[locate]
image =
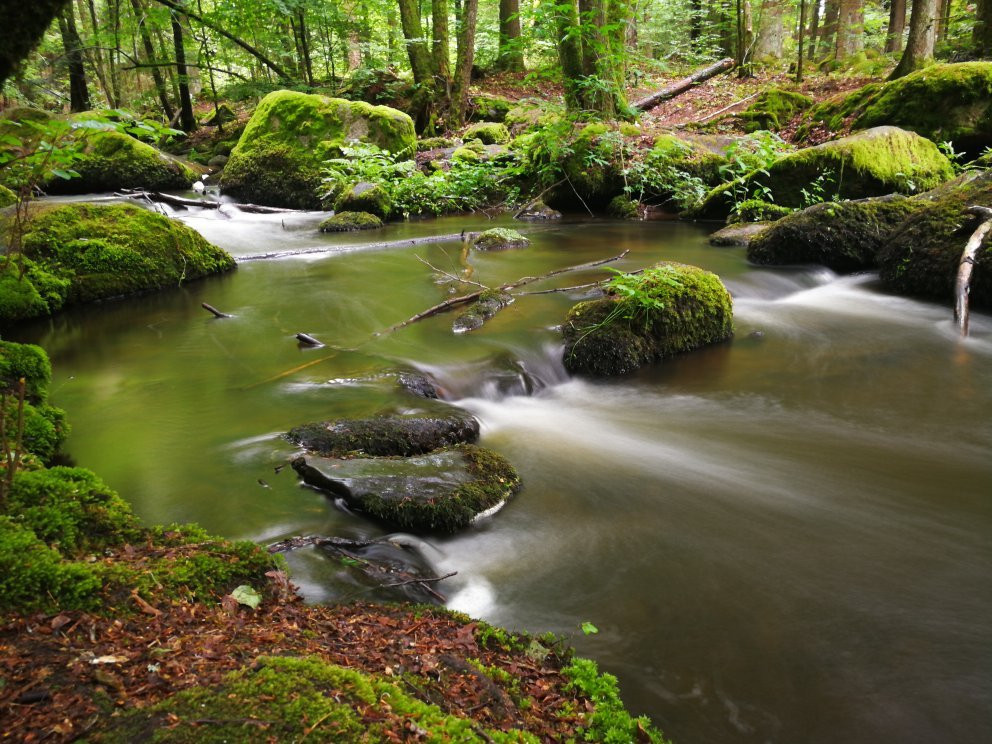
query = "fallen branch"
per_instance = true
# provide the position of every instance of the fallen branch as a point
(445, 273)
(577, 286)
(448, 238)
(962, 287)
(217, 313)
(727, 108)
(184, 203)
(681, 86)
(430, 579)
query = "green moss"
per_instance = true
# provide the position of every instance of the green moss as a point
(85, 252)
(485, 107)
(609, 721)
(688, 156)
(941, 102)
(278, 159)
(348, 221)
(29, 362)
(623, 207)
(494, 480)
(490, 302)
(921, 256)
(489, 133)
(499, 238)
(293, 697)
(758, 210)
(466, 154)
(7, 197)
(533, 113)
(875, 162)
(843, 236)
(435, 143)
(365, 197)
(773, 109)
(221, 115)
(669, 309)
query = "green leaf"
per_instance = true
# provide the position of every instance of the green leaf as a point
(245, 595)
(65, 174)
(589, 629)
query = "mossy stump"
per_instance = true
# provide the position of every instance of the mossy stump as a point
(676, 308)
(350, 221)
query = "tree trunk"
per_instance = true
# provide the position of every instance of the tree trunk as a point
(919, 45)
(24, 23)
(463, 64)
(440, 39)
(416, 46)
(695, 19)
(79, 94)
(801, 33)
(897, 25)
(746, 53)
(511, 55)
(301, 29)
(771, 30)
(982, 33)
(850, 29)
(683, 85)
(186, 119)
(96, 56)
(150, 57)
(828, 28)
(814, 29)
(592, 55)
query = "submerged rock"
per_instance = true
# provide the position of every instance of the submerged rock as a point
(498, 239)
(350, 221)
(843, 236)
(739, 234)
(387, 435)
(669, 309)
(489, 303)
(440, 491)
(278, 159)
(418, 384)
(875, 162)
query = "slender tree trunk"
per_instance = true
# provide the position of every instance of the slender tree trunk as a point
(919, 45)
(441, 40)
(746, 53)
(416, 46)
(897, 25)
(510, 57)
(79, 94)
(982, 32)
(828, 29)
(97, 55)
(695, 19)
(465, 57)
(301, 29)
(771, 30)
(814, 29)
(801, 34)
(570, 52)
(113, 57)
(186, 119)
(850, 29)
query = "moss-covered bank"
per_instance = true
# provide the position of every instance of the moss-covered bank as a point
(669, 309)
(75, 253)
(278, 159)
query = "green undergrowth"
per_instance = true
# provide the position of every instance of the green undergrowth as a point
(610, 721)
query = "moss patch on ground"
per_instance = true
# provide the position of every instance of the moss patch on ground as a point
(75, 253)
(773, 109)
(669, 309)
(279, 157)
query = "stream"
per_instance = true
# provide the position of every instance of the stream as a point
(784, 538)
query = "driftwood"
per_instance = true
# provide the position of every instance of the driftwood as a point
(473, 296)
(962, 287)
(217, 313)
(681, 86)
(308, 340)
(183, 203)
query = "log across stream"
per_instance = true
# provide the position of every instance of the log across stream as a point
(781, 538)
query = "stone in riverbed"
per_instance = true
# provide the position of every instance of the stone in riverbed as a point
(739, 234)
(387, 435)
(441, 491)
(489, 303)
(350, 221)
(500, 238)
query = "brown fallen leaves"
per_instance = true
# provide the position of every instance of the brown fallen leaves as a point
(59, 674)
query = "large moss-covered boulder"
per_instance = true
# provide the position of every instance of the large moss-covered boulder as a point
(941, 102)
(669, 309)
(843, 236)
(488, 133)
(441, 491)
(879, 161)
(689, 155)
(487, 107)
(388, 434)
(773, 109)
(278, 159)
(84, 252)
(921, 256)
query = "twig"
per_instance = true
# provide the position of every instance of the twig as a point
(217, 313)
(577, 286)
(445, 273)
(580, 196)
(429, 580)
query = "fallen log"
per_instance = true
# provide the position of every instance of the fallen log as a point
(183, 203)
(681, 86)
(962, 287)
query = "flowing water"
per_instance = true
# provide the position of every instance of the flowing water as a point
(784, 538)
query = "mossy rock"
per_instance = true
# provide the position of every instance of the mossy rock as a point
(843, 236)
(921, 256)
(688, 155)
(678, 308)
(489, 303)
(86, 252)
(350, 221)
(442, 491)
(388, 434)
(773, 109)
(498, 239)
(223, 114)
(486, 107)
(538, 211)
(371, 198)
(466, 154)
(941, 102)
(623, 208)
(738, 234)
(879, 161)
(487, 132)
(279, 157)
(593, 169)
(7, 197)
(532, 113)
(758, 210)
(436, 143)
(111, 161)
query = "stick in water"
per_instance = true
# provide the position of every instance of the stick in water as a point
(962, 287)
(217, 313)
(306, 338)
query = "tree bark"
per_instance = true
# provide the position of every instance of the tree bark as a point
(922, 34)
(416, 45)
(79, 94)
(802, 32)
(463, 65)
(510, 57)
(441, 39)
(771, 30)
(982, 32)
(96, 55)
(746, 53)
(187, 121)
(828, 29)
(592, 54)
(814, 29)
(897, 25)
(302, 30)
(850, 29)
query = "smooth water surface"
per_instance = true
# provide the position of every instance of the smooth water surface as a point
(784, 538)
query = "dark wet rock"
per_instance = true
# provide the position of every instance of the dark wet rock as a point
(539, 211)
(619, 333)
(387, 435)
(440, 491)
(218, 161)
(739, 234)
(489, 303)
(418, 384)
